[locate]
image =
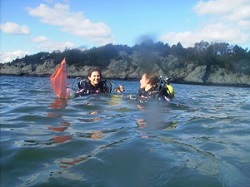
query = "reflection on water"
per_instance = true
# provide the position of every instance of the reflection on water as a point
(58, 104)
(199, 139)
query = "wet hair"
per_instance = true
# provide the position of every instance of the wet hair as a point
(153, 78)
(91, 70)
(120, 88)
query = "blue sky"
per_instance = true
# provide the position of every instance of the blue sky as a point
(32, 26)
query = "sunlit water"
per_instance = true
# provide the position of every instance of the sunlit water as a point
(201, 138)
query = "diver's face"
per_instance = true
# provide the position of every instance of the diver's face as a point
(94, 78)
(121, 88)
(144, 81)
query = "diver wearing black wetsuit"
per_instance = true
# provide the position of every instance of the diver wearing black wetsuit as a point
(85, 88)
(156, 92)
(151, 88)
(151, 93)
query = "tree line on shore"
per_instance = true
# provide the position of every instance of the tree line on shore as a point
(230, 57)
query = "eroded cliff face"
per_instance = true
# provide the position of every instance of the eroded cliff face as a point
(128, 68)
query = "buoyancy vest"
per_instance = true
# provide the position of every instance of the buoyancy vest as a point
(159, 92)
(85, 87)
(151, 93)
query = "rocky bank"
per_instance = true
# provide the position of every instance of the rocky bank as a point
(126, 69)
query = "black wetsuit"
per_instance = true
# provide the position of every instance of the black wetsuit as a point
(85, 88)
(154, 93)
(151, 93)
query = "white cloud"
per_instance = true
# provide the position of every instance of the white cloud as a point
(217, 6)
(40, 39)
(227, 10)
(244, 24)
(223, 21)
(74, 23)
(14, 28)
(12, 55)
(45, 44)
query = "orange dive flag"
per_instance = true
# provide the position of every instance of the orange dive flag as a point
(59, 81)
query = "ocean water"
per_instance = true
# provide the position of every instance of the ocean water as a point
(201, 138)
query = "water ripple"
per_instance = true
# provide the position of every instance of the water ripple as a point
(201, 138)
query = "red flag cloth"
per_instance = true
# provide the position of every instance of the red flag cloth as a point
(59, 81)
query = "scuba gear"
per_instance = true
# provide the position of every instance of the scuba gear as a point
(161, 91)
(165, 88)
(85, 87)
(169, 90)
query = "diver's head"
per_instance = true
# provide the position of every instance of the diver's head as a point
(94, 76)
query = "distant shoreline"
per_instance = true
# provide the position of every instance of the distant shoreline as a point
(138, 79)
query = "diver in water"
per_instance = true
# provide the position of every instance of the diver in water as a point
(119, 89)
(152, 87)
(94, 84)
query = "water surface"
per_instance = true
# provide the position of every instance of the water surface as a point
(201, 138)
